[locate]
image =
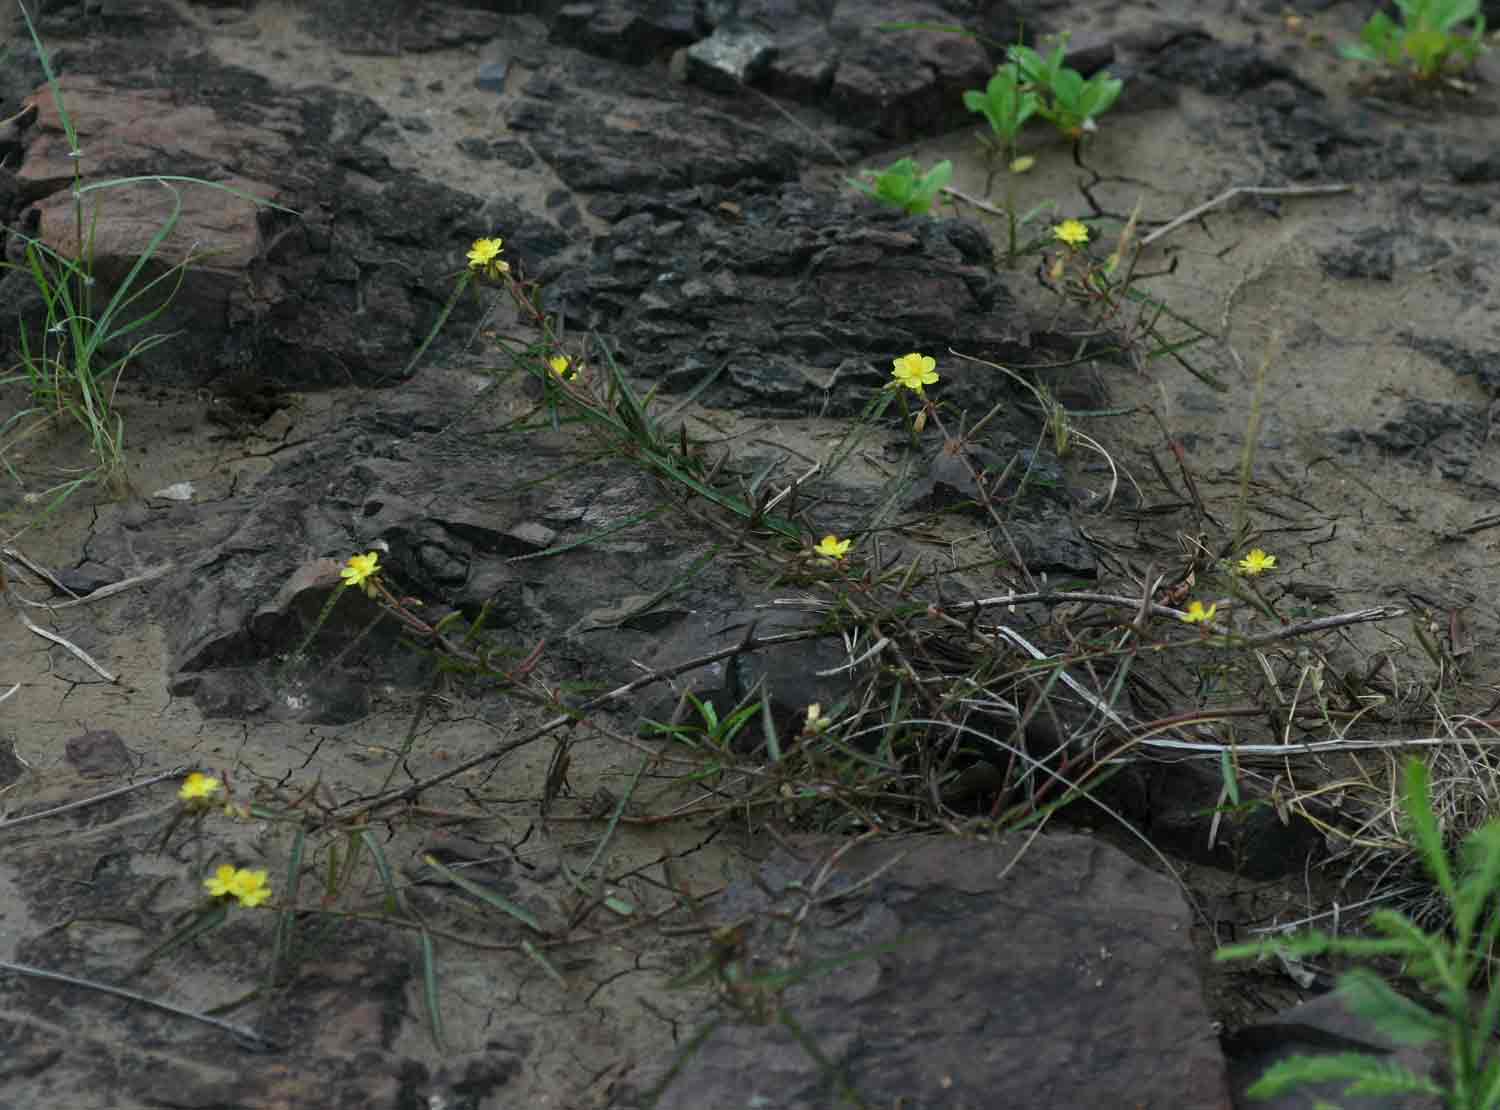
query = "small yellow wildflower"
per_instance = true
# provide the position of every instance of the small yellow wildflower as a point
(1023, 164)
(1257, 561)
(250, 887)
(199, 788)
(1196, 614)
(222, 882)
(360, 569)
(562, 367)
(1075, 233)
(914, 371)
(832, 547)
(484, 257)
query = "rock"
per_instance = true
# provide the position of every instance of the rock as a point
(1177, 803)
(632, 31)
(270, 290)
(98, 753)
(796, 300)
(11, 767)
(88, 576)
(1324, 1025)
(491, 76)
(1057, 974)
(730, 58)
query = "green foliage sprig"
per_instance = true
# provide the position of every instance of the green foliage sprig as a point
(1446, 967)
(1064, 98)
(1426, 42)
(903, 185)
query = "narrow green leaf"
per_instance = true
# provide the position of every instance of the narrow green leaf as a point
(430, 989)
(485, 894)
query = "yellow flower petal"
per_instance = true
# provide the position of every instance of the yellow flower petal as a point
(222, 881)
(832, 547)
(1075, 233)
(1256, 561)
(914, 371)
(250, 887)
(1196, 614)
(360, 568)
(198, 787)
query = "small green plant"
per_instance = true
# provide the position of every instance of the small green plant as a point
(1006, 104)
(903, 185)
(1064, 98)
(73, 368)
(1426, 42)
(1446, 966)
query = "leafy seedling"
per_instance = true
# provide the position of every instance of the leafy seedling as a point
(1006, 103)
(903, 185)
(1448, 966)
(1426, 42)
(1064, 98)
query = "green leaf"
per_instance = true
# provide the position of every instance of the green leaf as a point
(430, 989)
(485, 894)
(1395, 1015)
(1368, 1073)
(1424, 829)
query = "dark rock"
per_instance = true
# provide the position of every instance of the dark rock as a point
(87, 577)
(730, 58)
(797, 300)
(1178, 804)
(491, 76)
(1369, 256)
(631, 31)
(1221, 69)
(1484, 365)
(1093, 1002)
(790, 672)
(1325, 1026)
(346, 289)
(11, 767)
(98, 753)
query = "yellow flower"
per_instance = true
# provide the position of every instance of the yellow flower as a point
(1196, 614)
(1075, 233)
(832, 547)
(1257, 561)
(914, 371)
(484, 257)
(562, 367)
(1022, 164)
(360, 569)
(198, 787)
(222, 882)
(250, 887)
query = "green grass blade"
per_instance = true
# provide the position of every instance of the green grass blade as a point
(286, 920)
(485, 894)
(430, 989)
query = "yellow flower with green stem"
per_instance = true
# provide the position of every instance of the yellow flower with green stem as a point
(360, 569)
(1256, 561)
(831, 547)
(248, 888)
(913, 371)
(198, 789)
(1197, 614)
(1075, 233)
(560, 366)
(485, 260)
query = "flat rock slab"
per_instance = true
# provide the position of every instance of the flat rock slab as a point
(1054, 973)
